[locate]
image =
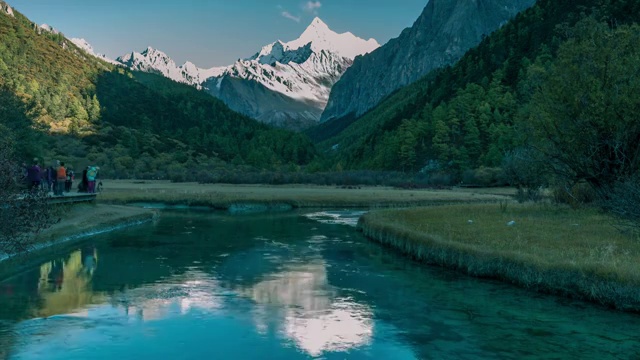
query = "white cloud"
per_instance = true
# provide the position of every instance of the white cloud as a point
(312, 7)
(289, 16)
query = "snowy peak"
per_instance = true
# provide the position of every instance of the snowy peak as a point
(318, 29)
(84, 45)
(148, 59)
(298, 74)
(322, 37)
(154, 60)
(189, 67)
(317, 37)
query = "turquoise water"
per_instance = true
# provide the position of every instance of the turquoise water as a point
(295, 285)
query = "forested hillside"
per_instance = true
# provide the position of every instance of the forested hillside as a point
(504, 96)
(59, 102)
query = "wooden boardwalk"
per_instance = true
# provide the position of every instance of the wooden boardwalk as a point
(72, 198)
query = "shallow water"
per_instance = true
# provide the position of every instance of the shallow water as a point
(297, 285)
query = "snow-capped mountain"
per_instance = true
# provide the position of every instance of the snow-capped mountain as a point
(153, 60)
(316, 38)
(285, 83)
(84, 45)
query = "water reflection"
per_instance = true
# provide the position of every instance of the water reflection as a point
(175, 295)
(65, 284)
(287, 287)
(310, 311)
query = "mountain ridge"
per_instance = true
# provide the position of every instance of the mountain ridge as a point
(297, 74)
(60, 102)
(444, 31)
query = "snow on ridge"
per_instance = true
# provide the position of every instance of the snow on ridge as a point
(152, 59)
(50, 29)
(323, 38)
(84, 45)
(320, 37)
(303, 69)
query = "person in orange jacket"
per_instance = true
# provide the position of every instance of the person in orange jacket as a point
(61, 178)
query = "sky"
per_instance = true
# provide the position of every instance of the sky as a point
(213, 32)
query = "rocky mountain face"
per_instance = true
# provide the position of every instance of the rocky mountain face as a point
(5, 8)
(286, 84)
(445, 30)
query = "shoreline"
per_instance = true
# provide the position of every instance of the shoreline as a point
(277, 197)
(80, 222)
(587, 284)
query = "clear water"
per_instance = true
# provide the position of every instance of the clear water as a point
(283, 286)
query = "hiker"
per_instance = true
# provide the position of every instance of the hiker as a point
(44, 179)
(69, 182)
(33, 176)
(92, 174)
(52, 174)
(61, 178)
(83, 187)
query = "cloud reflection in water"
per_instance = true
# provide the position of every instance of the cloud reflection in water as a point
(310, 313)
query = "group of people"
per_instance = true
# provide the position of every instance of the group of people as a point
(59, 178)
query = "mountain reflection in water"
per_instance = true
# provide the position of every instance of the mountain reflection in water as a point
(283, 286)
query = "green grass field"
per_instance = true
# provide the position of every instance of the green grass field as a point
(555, 249)
(222, 196)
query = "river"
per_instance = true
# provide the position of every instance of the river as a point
(293, 285)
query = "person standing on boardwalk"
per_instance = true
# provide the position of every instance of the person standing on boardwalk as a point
(52, 175)
(44, 178)
(61, 178)
(33, 175)
(92, 174)
(69, 182)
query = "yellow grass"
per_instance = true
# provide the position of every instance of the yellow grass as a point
(556, 249)
(222, 195)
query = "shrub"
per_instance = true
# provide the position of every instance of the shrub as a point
(484, 177)
(23, 212)
(575, 196)
(624, 202)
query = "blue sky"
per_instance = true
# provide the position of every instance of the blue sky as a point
(214, 32)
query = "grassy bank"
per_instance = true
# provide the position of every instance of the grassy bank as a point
(223, 196)
(76, 222)
(549, 249)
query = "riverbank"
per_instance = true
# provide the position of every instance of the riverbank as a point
(225, 197)
(543, 248)
(76, 223)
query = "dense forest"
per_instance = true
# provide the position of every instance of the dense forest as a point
(551, 96)
(548, 98)
(60, 103)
